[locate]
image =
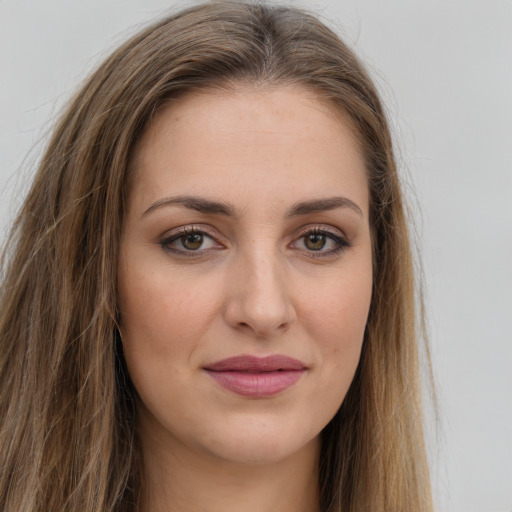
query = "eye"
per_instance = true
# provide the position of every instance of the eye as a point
(189, 240)
(321, 242)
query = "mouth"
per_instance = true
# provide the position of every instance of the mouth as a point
(256, 377)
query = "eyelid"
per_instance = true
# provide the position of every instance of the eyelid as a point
(334, 234)
(322, 228)
(189, 228)
(174, 234)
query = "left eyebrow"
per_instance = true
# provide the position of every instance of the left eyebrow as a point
(323, 205)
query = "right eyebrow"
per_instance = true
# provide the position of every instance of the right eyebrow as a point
(193, 203)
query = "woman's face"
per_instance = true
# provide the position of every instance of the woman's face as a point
(245, 273)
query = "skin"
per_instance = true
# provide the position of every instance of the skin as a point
(260, 283)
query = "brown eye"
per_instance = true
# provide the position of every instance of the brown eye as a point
(192, 241)
(320, 243)
(315, 241)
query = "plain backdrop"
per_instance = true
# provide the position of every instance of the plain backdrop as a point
(445, 71)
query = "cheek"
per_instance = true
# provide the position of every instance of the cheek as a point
(337, 321)
(339, 310)
(162, 318)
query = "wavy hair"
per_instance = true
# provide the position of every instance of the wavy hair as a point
(67, 440)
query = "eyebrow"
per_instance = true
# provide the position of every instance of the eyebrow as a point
(323, 205)
(199, 204)
(207, 206)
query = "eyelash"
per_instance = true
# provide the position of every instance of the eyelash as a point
(341, 243)
(181, 233)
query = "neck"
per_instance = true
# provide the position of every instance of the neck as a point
(181, 480)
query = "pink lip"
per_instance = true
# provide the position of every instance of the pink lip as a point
(257, 377)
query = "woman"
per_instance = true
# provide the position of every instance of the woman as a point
(208, 295)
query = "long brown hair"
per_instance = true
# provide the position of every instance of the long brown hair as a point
(67, 439)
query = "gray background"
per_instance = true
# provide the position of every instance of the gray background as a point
(445, 72)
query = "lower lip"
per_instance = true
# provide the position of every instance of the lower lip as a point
(257, 385)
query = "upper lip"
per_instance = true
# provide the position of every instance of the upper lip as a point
(248, 363)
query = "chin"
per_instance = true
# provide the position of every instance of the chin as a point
(260, 442)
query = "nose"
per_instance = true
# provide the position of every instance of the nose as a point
(258, 299)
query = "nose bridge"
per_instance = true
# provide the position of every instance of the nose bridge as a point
(260, 299)
(263, 278)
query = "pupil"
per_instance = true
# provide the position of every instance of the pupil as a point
(315, 242)
(193, 241)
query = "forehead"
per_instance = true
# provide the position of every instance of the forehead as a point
(281, 141)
